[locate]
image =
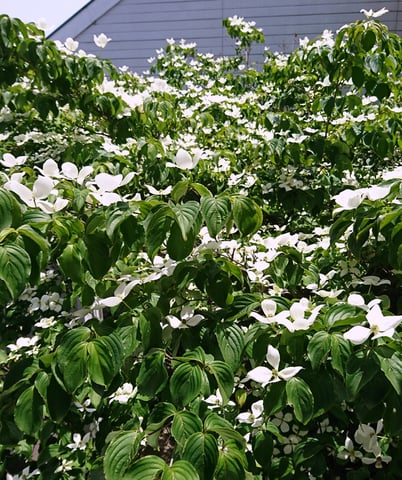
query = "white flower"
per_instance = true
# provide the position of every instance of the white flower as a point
(9, 161)
(24, 475)
(185, 161)
(70, 171)
(106, 184)
(297, 319)
(264, 375)
(154, 191)
(101, 40)
(187, 318)
(349, 199)
(216, 401)
(71, 44)
(65, 466)
(349, 452)
(253, 417)
(120, 294)
(371, 14)
(40, 190)
(282, 421)
(23, 342)
(78, 442)
(367, 436)
(380, 326)
(269, 308)
(123, 393)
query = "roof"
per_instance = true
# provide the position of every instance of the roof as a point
(84, 17)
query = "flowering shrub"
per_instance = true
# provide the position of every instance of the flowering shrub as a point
(200, 271)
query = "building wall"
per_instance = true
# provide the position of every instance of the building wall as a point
(139, 27)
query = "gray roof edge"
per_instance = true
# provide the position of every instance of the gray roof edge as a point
(82, 19)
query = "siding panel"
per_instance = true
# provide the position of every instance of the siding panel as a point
(139, 27)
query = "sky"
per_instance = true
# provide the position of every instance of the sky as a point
(55, 12)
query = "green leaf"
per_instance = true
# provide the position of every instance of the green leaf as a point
(70, 262)
(215, 211)
(186, 215)
(299, 395)
(179, 248)
(28, 413)
(307, 448)
(231, 463)
(368, 40)
(105, 356)
(150, 327)
(215, 423)
(341, 351)
(156, 228)
(58, 401)
(15, 268)
(231, 344)
(98, 254)
(357, 76)
(392, 368)
(72, 358)
(201, 450)
(184, 424)
(360, 371)
(146, 468)
(38, 239)
(185, 383)
(159, 416)
(247, 215)
(318, 348)
(153, 375)
(120, 453)
(10, 211)
(224, 378)
(180, 470)
(263, 446)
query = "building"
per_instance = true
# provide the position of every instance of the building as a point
(139, 27)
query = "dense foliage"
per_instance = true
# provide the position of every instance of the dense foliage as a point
(201, 268)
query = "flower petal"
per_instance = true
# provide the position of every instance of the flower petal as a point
(357, 335)
(289, 372)
(260, 374)
(273, 356)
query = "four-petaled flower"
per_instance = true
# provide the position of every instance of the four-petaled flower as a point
(265, 376)
(255, 416)
(101, 40)
(379, 326)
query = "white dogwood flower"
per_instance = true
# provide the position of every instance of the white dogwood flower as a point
(101, 40)
(372, 14)
(187, 318)
(379, 326)
(269, 306)
(265, 376)
(255, 416)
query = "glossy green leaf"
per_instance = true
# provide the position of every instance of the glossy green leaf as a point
(318, 348)
(156, 229)
(15, 268)
(185, 383)
(215, 211)
(224, 378)
(180, 470)
(247, 215)
(231, 463)
(231, 344)
(201, 450)
(300, 397)
(121, 453)
(10, 211)
(72, 358)
(185, 423)
(105, 356)
(186, 215)
(153, 375)
(392, 368)
(28, 413)
(146, 468)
